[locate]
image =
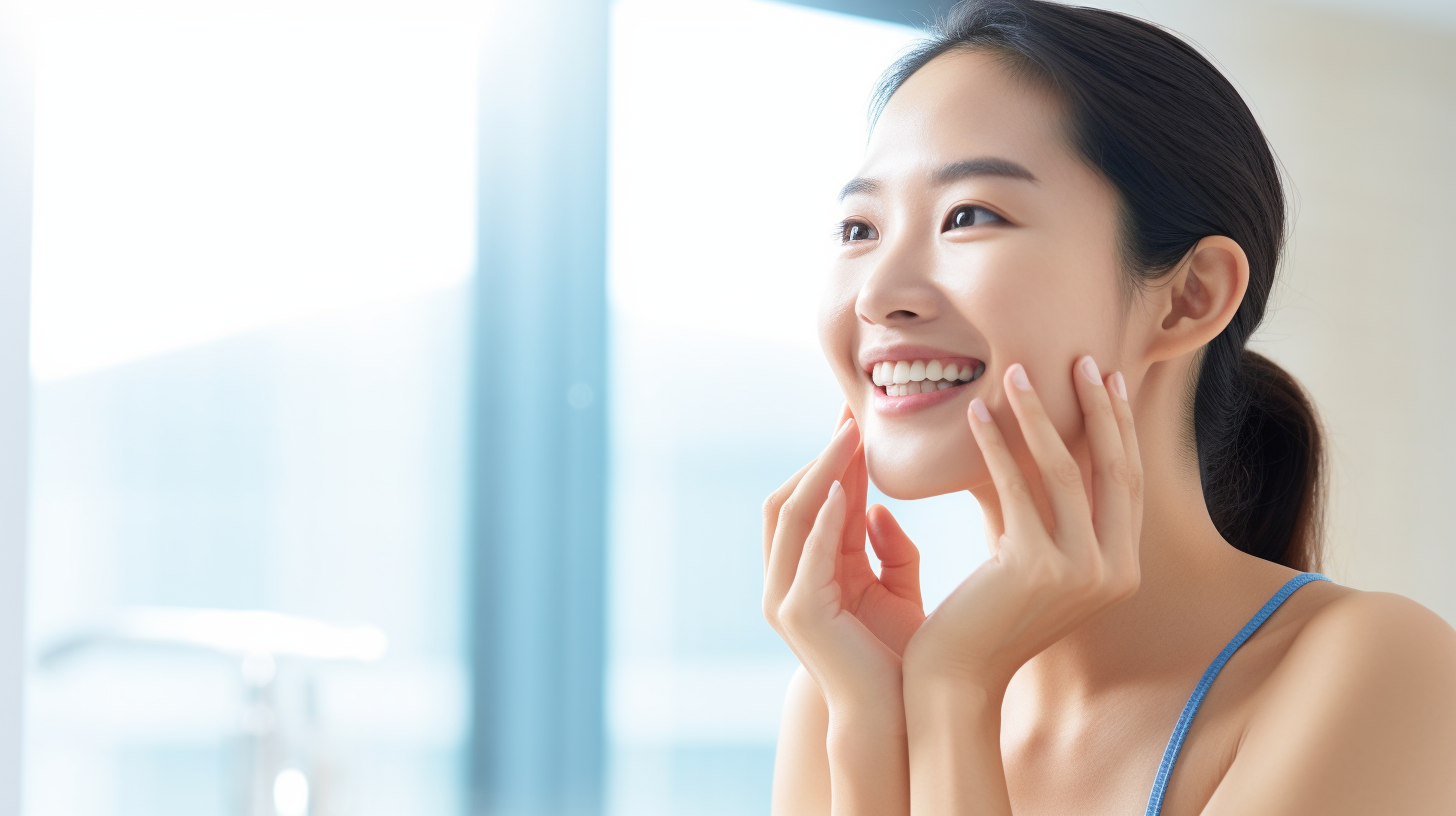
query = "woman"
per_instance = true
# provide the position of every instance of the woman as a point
(1050, 194)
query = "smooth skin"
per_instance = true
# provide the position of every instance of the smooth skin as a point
(1050, 680)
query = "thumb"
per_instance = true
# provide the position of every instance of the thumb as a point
(899, 558)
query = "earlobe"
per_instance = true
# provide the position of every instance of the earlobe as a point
(1202, 297)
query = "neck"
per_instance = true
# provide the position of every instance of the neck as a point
(1196, 589)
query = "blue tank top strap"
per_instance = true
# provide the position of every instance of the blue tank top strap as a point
(1185, 720)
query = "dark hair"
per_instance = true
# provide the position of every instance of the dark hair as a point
(1188, 160)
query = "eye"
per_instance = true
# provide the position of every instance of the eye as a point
(971, 216)
(848, 231)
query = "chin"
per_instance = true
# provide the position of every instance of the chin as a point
(919, 471)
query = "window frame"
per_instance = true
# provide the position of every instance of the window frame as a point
(538, 482)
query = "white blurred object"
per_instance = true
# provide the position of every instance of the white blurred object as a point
(254, 635)
(290, 792)
(277, 737)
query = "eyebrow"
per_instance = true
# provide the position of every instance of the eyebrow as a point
(955, 171)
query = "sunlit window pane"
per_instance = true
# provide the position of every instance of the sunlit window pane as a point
(253, 234)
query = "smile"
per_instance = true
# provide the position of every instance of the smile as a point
(903, 378)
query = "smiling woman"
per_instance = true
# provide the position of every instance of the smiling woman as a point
(1049, 193)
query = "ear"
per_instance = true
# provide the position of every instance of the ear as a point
(1200, 300)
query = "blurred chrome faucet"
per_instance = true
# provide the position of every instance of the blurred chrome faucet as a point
(278, 772)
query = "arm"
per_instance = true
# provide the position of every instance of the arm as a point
(955, 747)
(860, 676)
(801, 763)
(1359, 717)
(814, 749)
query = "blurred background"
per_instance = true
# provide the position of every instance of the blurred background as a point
(380, 443)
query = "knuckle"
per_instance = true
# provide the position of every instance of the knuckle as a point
(771, 506)
(1124, 425)
(1014, 487)
(789, 509)
(1102, 409)
(777, 498)
(1132, 579)
(1067, 474)
(1045, 571)
(1089, 579)
(792, 616)
(1125, 583)
(771, 611)
(1135, 483)
(1120, 472)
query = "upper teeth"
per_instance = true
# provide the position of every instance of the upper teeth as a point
(896, 375)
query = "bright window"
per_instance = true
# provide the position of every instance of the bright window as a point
(254, 231)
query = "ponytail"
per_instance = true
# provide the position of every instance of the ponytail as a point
(1261, 459)
(1188, 160)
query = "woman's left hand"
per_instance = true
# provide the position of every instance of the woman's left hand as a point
(1041, 583)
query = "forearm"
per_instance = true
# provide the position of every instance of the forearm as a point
(869, 767)
(954, 738)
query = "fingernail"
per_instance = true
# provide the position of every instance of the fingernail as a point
(980, 408)
(1119, 386)
(844, 427)
(833, 490)
(1089, 369)
(1018, 377)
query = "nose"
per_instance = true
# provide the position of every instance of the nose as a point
(899, 290)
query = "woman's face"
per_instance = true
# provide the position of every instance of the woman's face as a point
(974, 237)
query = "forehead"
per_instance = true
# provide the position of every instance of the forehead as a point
(962, 105)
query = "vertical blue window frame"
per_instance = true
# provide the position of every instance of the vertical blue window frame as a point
(17, 131)
(537, 526)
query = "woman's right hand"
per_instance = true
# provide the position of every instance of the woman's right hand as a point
(888, 604)
(808, 578)
(811, 553)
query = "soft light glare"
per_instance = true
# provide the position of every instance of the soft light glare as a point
(729, 231)
(290, 793)
(245, 633)
(210, 170)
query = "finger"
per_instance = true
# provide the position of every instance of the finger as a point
(1018, 509)
(845, 415)
(771, 507)
(814, 597)
(1122, 410)
(855, 481)
(1061, 478)
(821, 546)
(899, 557)
(1111, 504)
(797, 514)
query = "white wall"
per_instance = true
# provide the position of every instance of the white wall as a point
(1362, 112)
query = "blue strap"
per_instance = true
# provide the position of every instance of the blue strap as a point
(1185, 720)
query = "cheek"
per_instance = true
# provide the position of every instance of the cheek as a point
(1045, 308)
(838, 331)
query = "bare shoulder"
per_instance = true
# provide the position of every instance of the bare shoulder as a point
(1358, 716)
(1367, 642)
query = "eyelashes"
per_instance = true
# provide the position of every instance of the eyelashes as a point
(970, 215)
(852, 230)
(965, 216)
